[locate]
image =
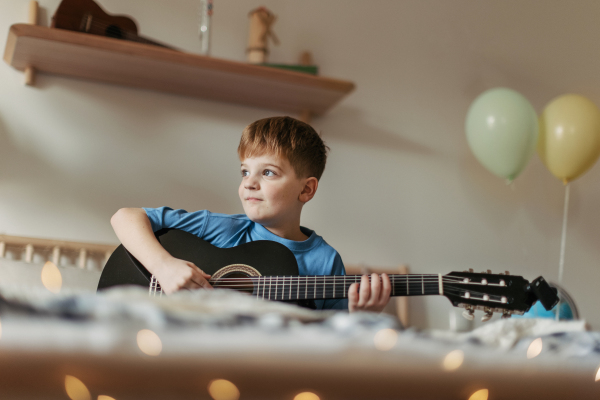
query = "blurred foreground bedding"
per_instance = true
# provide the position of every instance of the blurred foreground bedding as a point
(274, 350)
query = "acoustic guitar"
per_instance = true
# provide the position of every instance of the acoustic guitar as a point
(268, 270)
(88, 17)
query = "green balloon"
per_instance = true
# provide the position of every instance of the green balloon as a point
(502, 131)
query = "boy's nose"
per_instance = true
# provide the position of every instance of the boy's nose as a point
(251, 183)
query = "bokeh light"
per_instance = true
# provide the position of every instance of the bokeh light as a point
(385, 339)
(104, 397)
(453, 360)
(535, 348)
(481, 394)
(149, 342)
(306, 396)
(222, 389)
(598, 375)
(76, 390)
(51, 277)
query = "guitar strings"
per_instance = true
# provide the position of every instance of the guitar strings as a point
(321, 278)
(328, 293)
(307, 283)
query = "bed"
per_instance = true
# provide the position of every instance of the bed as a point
(126, 345)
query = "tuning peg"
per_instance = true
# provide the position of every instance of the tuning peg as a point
(506, 314)
(470, 269)
(488, 314)
(469, 313)
(507, 273)
(489, 271)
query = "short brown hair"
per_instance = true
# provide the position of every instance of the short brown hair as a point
(286, 137)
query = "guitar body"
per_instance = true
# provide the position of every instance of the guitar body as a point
(259, 258)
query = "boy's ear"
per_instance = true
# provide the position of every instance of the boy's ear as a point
(309, 190)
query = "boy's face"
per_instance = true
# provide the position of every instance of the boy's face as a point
(270, 190)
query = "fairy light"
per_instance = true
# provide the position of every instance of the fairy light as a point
(481, 394)
(51, 277)
(306, 396)
(385, 339)
(535, 348)
(76, 390)
(453, 360)
(149, 342)
(222, 389)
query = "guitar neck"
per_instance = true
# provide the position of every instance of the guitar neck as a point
(310, 287)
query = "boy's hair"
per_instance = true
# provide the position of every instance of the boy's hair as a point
(286, 137)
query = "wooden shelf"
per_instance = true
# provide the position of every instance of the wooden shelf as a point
(145, 66)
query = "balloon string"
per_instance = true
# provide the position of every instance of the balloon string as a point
(563, 240)
(561, 264)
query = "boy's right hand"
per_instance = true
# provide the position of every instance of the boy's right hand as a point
(176, 274)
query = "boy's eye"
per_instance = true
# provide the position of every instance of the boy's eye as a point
(268, 172)
(245, 173)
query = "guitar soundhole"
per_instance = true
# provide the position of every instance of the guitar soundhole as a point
(236, 281)
(114, 32)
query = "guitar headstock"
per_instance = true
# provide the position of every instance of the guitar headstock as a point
(502, 293)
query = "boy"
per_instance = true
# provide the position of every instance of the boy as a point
(282, 160)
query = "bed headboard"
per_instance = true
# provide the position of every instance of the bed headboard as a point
(57, 251)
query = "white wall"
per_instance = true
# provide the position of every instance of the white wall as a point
(401, 185)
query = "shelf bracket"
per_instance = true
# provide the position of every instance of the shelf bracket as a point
(31, 19)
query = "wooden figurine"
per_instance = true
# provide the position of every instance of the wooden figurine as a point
(261, 21)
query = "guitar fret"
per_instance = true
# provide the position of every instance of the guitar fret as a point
(334, 286)
(422, 285)
(291, 279)
(298, 291)
(344, 286)
(315, 285)
(393, 286)
(407, 290)
(324, 282)
(306, 288)
(276, 288)
(270, 281)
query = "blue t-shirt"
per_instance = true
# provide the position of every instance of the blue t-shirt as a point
(314, 255)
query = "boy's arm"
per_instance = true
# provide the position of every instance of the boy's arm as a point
(134, 230)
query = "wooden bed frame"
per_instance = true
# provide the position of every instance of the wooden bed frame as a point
(52, 250)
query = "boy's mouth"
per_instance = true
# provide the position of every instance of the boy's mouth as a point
(253, 199)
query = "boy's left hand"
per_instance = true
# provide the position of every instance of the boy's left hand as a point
(371, 296)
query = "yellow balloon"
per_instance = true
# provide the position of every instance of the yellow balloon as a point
(569, 136)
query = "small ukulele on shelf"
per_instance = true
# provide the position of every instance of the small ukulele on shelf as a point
(88, 17)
